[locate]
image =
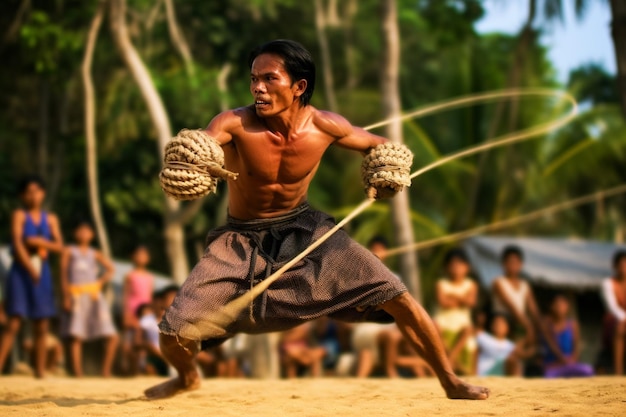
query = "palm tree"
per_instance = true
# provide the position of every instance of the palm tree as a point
(392, 108)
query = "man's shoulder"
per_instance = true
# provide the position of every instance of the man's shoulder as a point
(232, 119)
(331, 123)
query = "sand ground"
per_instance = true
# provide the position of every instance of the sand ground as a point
(66, 397)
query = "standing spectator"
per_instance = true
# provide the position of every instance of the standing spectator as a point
(89, 315)
(456, 297)
(614, 326)
(565, 334)
(513, 298)
(138, 287)
(35, 233)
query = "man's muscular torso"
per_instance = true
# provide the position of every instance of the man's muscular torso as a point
(275, 169)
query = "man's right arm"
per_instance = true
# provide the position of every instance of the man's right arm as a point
(222, 126)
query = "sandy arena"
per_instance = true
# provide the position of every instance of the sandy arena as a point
(24, 396)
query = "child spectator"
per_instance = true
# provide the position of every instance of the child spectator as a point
(497, 355)
(35, 233)
(566, 336)
(138, 287)
(614, 326)
(513, 297)
(88, 313)
(298, 351)
(149, 316)
(456, 297)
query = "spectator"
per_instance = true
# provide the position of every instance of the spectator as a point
(565, 333)
(498, 355)
(456, 297)
(374, 343)
(88, 313)
(54, 354)
(298, 351)
(138, 287)
(614, 326)
(149, 316)
(513, 297)
(35, 233)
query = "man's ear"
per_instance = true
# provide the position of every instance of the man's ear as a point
(299, 87)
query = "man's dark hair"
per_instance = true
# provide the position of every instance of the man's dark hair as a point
(512, 250)
(82, 222)
(378, 239)
(297, 60)
(618, 256)
(455, 253)
(23, 184)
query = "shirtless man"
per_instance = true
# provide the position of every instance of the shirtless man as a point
(275, 145)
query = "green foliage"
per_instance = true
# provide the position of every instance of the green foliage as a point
(442, 56)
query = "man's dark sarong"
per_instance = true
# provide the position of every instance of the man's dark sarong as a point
(339, 279)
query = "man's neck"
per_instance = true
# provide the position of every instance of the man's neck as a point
(287, 121)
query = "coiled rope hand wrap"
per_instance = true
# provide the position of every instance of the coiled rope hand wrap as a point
(192, 165)
(386, 170)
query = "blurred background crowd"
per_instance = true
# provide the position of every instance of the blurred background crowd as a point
(497, 330)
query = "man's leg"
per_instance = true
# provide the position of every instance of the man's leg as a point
(181, 354)
(420, 331)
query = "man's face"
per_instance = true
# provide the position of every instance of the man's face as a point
(272, 87)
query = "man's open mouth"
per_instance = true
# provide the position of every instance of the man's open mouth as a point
(261, 104)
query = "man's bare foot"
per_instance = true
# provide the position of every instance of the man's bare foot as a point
(464, 391)
(174, 386)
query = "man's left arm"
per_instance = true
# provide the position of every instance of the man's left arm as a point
(386, 167)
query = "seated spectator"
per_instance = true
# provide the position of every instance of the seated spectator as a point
(54, 354)
(299, 353)
(566, 336)
(498, 355)
(456, 296)
(375, 344)
(149, 316)
(232, 355)
(614, 326)
(326, 335)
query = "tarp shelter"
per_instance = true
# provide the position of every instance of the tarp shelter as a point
(560, 263)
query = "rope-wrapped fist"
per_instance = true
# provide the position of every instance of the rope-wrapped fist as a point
(386, 170)
(192, 165)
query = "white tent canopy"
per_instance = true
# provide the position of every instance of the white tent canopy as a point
(561, 263)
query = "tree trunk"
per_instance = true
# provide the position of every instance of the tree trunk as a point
(351, 69)
(392, 109)
(618, 31)
(174, 233)
(43, 128)
(320, 26)
(178, 39)
(90, 131)
(513, 80)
